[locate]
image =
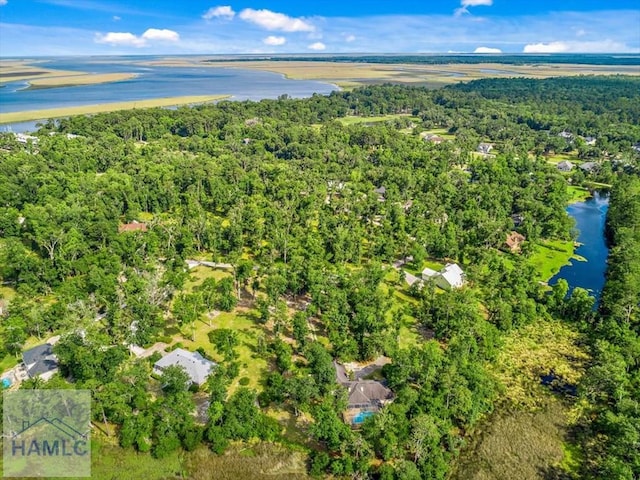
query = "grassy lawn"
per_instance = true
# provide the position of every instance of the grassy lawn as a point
(550, 256)
(200, 274)
(243, 322)
(578, 194)
(441, 132)
(432, 264)
(383, 118)
(7, 293)
(408, 336)
(8, 362)
(561, 157)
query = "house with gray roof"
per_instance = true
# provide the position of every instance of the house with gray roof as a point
(565, 166)
(588, 167)
(195, 365)
(365, 397)
(40, 362)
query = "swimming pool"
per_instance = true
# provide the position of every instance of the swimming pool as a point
(361, 417)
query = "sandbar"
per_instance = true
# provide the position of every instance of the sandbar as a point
(13, 117)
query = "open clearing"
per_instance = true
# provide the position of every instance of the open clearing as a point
(106, 107)
(352, 120)
(550, 256)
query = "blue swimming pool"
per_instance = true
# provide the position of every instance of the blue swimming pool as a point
(361, 417)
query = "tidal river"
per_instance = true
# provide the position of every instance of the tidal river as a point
(590, 217)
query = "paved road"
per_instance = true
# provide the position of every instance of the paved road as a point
(402, 261)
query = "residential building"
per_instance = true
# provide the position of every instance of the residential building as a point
(451, 276)
(40, 362)
(485, 148)
(432, 138)
(565, 166)
(134, 226)
(366, 397)
(588, 167)
(195, 365)
(514, 241)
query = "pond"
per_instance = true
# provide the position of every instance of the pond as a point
(589, 274)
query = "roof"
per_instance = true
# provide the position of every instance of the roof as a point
(197, 367)
(39, 360)
(514, 239)
(132, 227)
(427, 272)
(565, 164)
(588, 166)
(517, 219)
(380, 190)
(485, 147)
(453, 275)
(367, 392)
(430, 137)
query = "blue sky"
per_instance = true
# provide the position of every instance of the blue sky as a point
(146, 27)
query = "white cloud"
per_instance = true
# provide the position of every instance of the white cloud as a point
(128, 39)
(273, 40)
(3, 2)
(602, 46)
(318, 46)
(487, 50)
(116, 18)
(465, 4)
(275, 21)
(350, 38)
(120, 39)
(224, 11)
(162, 35)
(476, 3)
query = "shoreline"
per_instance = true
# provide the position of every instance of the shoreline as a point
(36, 115)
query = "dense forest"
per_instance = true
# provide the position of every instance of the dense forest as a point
(310, 209)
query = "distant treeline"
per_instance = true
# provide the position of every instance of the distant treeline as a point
(509, 59)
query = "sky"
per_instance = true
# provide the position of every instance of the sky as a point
(158, 27)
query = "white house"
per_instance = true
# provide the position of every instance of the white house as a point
(195, 365)
(451, 276)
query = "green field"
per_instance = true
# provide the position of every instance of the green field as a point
(383, 118)
(578, 194)
(242, 322)
(550, 256)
